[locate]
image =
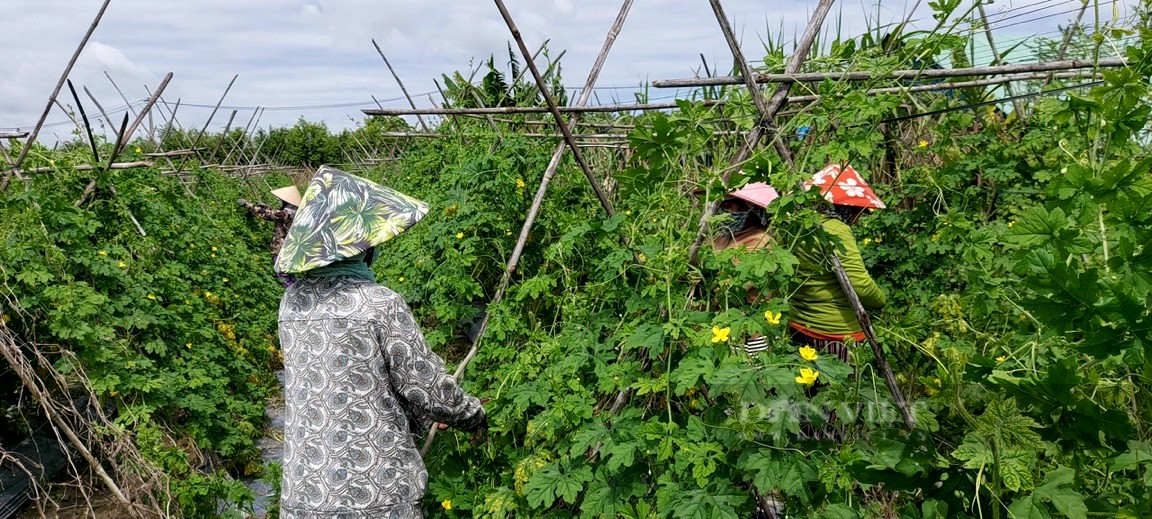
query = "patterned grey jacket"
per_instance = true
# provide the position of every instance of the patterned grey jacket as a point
(359, 384)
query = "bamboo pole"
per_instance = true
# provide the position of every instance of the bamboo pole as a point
(579, 156)
(808, 77)
(617, 136)
(958, 85)
(103, 113)
(127, 104)
(1067, 40)
(52, 98)
(1017, 106)
(530, 109)
(770, 109)
(140, 116)
(877, 351)
(224, 135)
(538, 199)
(401, 83)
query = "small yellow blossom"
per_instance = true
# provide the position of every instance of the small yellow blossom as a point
(520, 183)
(935, 237)
(772, 317)
(103, 253)
(189, 345)
(866, 241)
(807, 376)
(401, 279)
(151, 297)
(214, 249)
(641, 257)
(1001, 358)
(122, 265)
(213, 255)
(720, 334)
(923, 144)
(447, 504)
(138, 150)
(1010, 224)
(878, 239)
(225, 280)
(460, 236)
(628, 211)
(808, 353)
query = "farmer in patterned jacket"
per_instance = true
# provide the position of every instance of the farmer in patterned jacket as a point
(289, 200)
(360, 383)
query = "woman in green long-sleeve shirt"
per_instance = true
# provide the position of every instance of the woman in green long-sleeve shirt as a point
(821, 316)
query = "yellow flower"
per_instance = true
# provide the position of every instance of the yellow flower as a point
(628, 211)
(460, 236)
(214, 249)
(103, 253)
(641, 257)
(720, 334)
(138, 150)
(520, 183)
(808, 353)
(935, 237)
(1001, 358)
(1010, 224)
(151, 297)
(807, 376)
(122, 265)
(401, 279)
(867, 241)
(225, 280)
(923, 144)
(447, 504)
(772, 317)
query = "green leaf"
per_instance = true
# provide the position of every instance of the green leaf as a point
(550, 483)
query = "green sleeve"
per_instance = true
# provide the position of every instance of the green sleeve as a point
(870, 294)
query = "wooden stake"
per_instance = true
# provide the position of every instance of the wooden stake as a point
(52, 98)
(538, 199)
(877, 351)
(124, 139)
(810, 77)
(531, 109)
(770, 108)
(401, 83)
(604, 202)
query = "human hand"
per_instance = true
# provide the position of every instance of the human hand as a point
(242, 202)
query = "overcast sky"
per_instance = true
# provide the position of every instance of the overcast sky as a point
(314, 58)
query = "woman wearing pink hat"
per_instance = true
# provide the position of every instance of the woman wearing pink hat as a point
(747, 228)
(821, 316)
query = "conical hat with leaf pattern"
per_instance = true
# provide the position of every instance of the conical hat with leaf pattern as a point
(342, 215)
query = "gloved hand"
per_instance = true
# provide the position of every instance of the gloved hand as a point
(242, 202)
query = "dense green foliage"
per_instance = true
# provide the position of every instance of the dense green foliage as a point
(175, 330)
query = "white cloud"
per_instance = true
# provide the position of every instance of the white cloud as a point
(318, 52)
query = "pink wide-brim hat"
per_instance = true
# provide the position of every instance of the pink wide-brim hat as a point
(757, 193)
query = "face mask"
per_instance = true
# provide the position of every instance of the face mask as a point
(736, 221)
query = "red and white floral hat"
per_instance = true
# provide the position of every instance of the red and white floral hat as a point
(844, 186)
